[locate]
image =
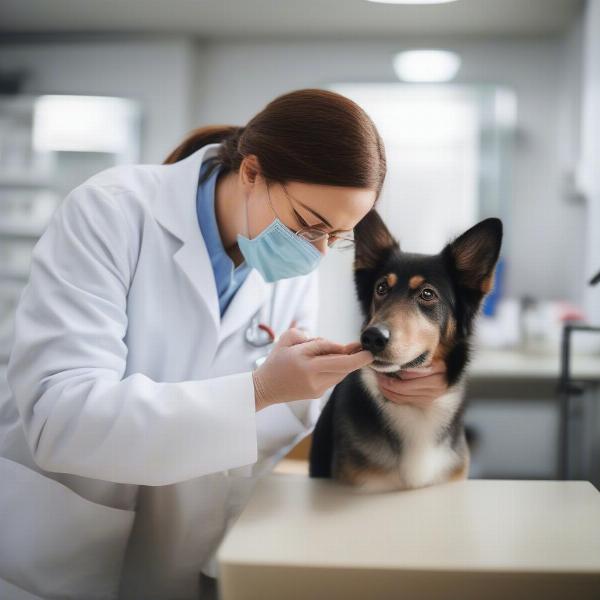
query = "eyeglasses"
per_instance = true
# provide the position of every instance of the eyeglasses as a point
(314, 234)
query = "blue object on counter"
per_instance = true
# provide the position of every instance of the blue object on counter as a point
(491, 300)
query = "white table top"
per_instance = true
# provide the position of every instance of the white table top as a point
(474, 526)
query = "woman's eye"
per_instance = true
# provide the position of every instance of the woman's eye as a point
(301, 220)
(428, 294)
(382, 288)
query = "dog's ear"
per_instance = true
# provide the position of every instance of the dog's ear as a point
(372, 241)
(474, 254)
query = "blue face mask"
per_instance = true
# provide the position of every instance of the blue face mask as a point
(277, 252)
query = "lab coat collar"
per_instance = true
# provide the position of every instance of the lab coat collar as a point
(175, 208)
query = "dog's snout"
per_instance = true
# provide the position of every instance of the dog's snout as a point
(375, 338)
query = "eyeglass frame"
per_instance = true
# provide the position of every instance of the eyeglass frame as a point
(321, 234)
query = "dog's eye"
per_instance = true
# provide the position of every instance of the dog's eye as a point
(382, 288)
(428, 294)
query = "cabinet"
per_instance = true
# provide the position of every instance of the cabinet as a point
(49, 144)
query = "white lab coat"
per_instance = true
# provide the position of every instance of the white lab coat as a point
(129, 441)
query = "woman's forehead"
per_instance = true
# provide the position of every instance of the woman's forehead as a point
(341, 207)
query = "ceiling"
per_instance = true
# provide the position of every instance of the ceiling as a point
(214, 19)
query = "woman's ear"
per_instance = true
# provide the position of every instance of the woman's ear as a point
(373, 241)
(474, 254)
(249, 170)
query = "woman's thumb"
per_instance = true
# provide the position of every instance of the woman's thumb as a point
(293, 336)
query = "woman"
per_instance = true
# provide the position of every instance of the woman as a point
(137, 424)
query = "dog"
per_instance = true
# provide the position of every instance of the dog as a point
(416, 308)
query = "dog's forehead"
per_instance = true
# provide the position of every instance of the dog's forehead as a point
(406, 272)
(411, 270)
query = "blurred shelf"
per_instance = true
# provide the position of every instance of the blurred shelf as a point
(14, 274)
(25, 179)
(19, 103)
(515, 364)
(21, 230)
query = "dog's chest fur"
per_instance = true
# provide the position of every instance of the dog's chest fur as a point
(424, 460)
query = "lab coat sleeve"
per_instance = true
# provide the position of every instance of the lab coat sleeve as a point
(67, 364)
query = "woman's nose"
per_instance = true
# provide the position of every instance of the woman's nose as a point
(321, 246)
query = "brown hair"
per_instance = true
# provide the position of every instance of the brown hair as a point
(310, 135)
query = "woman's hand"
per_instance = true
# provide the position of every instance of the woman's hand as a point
(419, 387)
(299, 367)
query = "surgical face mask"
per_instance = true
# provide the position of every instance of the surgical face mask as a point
(277, 252)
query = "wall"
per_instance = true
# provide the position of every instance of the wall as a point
(590, 149)
(590, 186)
(159, 72)
(240, 77)
(183, 84)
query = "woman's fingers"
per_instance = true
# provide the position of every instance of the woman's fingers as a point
(432, 385)
(437, 366)
(352, 347)
(334, 361)
(422, 398)
(343, 363)
(320, 346)
(331, 357)
(422, 401)
(293, 336)
(418, 387)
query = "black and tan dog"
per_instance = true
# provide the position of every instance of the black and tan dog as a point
(416, 308)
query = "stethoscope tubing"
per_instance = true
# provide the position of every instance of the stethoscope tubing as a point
(260, 334)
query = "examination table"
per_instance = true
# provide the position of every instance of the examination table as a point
(495, 539)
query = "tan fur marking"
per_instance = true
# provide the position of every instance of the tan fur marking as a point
(487, 284)
(371, 476)
(450, 328)
(445, 344)
(466, 255)
(441, 351)
(383, 239)
(460, 473)
(356, 476)
(411, 331)
(415, 282)
(392, 279)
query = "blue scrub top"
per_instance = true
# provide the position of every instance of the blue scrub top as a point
(227, 277)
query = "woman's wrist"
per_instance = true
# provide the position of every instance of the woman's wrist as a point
(260, 397)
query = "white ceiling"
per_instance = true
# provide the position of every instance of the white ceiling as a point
(213, 19)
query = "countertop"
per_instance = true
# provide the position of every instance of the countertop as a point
(515, 364)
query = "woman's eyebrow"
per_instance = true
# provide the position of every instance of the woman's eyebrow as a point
(314, 212)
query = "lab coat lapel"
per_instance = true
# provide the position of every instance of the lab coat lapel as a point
(175, 209)
(245, 303)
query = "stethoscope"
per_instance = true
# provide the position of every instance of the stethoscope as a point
(259, 334)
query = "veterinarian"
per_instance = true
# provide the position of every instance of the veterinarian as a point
(136, 424)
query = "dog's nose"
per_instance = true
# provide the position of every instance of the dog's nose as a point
(375, 338)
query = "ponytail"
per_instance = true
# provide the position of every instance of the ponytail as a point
(310, 135)
(227, 135)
